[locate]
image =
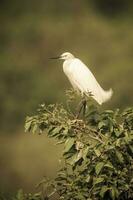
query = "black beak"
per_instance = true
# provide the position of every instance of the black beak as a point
(58, 57)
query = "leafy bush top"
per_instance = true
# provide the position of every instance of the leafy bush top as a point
(97, 160)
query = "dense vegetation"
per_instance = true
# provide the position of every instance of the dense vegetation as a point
(97, 161)
(100, 34)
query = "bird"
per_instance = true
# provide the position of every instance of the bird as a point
(82, 79)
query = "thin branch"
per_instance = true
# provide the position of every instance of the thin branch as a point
(96, 138)
(52, 193)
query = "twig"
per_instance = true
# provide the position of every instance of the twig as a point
(96, 138)
(51, 194)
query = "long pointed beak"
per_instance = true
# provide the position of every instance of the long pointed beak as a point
(58, 57)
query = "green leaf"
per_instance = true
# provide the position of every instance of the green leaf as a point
(104, 189)
(114, 193)
(55, 131)
(75, 158)
(28, 123)
(109, 111)
(88, 178)
(131, 148)
(109, 165)
(85, 152)
(98, 180)
(101, 124)
(127, 138)
(97, 152)
(68, 144)
(99, 167)
(118, 142)
(117, 132)
(20, 195)
(119, 156)
(65, 131)
(35, 128)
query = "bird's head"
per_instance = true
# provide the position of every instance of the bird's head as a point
(64, 56)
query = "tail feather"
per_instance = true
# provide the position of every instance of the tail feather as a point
(107, 95)
(101, 96)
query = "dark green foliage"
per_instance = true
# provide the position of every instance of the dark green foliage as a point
(97, 161)
(32, 31)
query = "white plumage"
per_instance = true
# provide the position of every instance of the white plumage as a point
(82, 78)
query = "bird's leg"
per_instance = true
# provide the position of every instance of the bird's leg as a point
(82, 105)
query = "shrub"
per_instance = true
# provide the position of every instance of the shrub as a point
(97, 160)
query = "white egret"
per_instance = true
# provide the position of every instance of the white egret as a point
(82, 78)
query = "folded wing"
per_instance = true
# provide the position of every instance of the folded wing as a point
(84, 80)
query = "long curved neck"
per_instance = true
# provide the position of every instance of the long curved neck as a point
(68, 61)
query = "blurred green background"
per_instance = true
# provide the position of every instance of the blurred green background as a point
(99, 32)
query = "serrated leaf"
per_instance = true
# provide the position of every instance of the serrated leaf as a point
(117, 132)
(55, 131)
(127, 138)
(118, 142)
(114, 193)
(104, 189)
(65, 131)
(131, 148)
(20, 195)
(97, 152)
(80, 196)
(85, 152)
(28, 123)
(98, 180)
(119, 156)
(109, 111)
(60, 142)
(99, 167)
(87, 178)
(34, 128)
(109, 165)
(101, 124)
(75, 158)
(68, 144)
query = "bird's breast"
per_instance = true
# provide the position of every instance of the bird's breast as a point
(67, 67)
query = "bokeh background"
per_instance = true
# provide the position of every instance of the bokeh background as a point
(99, 32)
